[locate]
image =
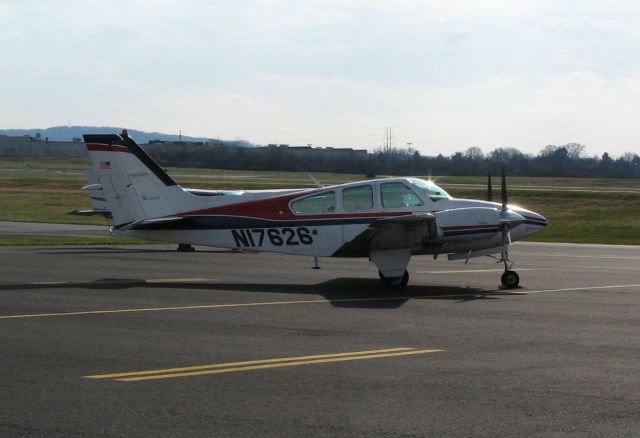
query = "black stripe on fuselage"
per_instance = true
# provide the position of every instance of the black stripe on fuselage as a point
(538, 223)
(469, 232)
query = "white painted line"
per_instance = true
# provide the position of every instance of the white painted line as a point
(469, 271)
(576, 256)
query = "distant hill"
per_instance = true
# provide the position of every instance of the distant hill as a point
(67, 133)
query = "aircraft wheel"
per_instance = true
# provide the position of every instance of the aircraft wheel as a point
(394, 282)
(510, 279)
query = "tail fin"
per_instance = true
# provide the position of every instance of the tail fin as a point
(135, 186)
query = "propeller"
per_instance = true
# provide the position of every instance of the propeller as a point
(489, 189)
(508, 218)
(504, 191)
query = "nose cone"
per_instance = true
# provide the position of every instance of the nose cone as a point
(511, 218)
(533, 222)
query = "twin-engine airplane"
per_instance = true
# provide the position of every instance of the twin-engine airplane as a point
(387, 220)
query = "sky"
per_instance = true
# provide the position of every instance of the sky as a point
(444, 74)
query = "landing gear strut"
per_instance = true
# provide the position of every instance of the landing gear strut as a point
(394, 282)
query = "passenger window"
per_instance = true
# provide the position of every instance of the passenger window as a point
(397, 195)
(316, 204)
(357, 198)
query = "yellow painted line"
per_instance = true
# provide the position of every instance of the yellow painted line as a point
(179, 280)
(162, 309)
(275, 365)
(123, 280)
(244, 363)
(469, 271)
(574, 256)
(319, 301)
(577, 289)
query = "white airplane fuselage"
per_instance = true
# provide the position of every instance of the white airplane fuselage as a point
(263, 220)
(387, 220)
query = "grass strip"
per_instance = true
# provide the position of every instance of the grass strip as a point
(69, 240)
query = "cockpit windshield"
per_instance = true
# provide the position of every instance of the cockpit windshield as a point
(429, 189)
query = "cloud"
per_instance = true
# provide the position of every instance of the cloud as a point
(458, 37)
(445, 75)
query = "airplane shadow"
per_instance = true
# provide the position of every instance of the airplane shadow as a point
(340, 292)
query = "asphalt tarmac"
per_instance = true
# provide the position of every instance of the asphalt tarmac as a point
(9, 229)
(147, 341)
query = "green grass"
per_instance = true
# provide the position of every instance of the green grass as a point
(67, 240)
(44, 190)
(579, 217)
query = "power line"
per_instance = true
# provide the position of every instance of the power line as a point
(315, 140)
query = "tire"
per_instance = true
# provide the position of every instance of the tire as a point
(394, 282)
(510, 279)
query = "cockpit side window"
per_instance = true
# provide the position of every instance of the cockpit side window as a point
(429, 189)
(357, 198)
(316, 204)
(397, 195)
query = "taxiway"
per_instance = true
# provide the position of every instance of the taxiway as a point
(147, 341)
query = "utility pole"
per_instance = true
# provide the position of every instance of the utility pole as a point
(387, 147)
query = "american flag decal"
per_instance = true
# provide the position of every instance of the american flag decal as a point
(105, 165)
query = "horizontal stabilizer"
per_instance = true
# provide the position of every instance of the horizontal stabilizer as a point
(105, 213)
(149, 223)
(96, 186)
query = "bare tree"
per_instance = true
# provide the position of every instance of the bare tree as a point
(575, 150)
(474, 153)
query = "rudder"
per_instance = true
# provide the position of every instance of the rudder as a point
(135, 186)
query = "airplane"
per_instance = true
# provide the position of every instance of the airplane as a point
(387, 220)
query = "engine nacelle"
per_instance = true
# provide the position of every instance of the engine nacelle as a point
(467, 222)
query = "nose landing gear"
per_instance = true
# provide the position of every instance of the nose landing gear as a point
(394, 282)
(510, 279)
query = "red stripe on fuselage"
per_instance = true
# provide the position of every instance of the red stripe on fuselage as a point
(536, 219)
(94, 147)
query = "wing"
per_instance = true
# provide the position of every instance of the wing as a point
(412, 231)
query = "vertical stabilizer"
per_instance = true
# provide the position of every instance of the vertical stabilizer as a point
(135, 186)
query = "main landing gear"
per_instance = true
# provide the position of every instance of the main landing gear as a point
(394, 282)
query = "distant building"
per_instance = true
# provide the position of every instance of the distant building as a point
(31, 146)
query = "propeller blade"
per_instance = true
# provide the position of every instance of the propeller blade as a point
(504, 191)
(489, 188)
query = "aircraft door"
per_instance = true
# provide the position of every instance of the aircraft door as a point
(356, 201)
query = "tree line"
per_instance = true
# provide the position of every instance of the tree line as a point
(567, 160)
